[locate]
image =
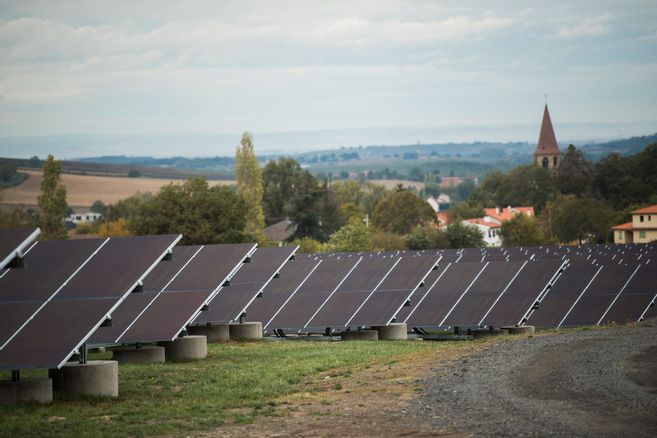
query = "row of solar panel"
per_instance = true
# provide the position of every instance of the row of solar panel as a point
(65, 291)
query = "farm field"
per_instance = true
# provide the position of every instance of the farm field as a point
(83, 190)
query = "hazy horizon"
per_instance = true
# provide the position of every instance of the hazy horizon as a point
(195, 75)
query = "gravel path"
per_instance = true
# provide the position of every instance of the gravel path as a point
(600, 383)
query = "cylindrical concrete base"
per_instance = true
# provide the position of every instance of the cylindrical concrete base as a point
(187, 348)
(524, 330)
(486, 333)
(392, 332)
(39, 390)
(213, 333)
(360, 335)
(146, 354)
(246, 331)
(98, 377)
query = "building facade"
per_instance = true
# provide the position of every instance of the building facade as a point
(642, 229)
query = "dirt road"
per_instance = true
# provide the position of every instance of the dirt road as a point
(600, 383)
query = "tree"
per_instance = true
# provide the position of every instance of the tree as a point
(382, 241)
(521, 230)
(286, 185)
(307, 244)
(574, 173)
(117, 228)
(249, 186)
(525, 185)
(400, 211)
(98, 207)
(427, 237)
(52, 206)
(580, 219)
(354, 236)
(202, 214)
(463, 236)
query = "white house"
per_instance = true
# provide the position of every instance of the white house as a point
(489, 229)
(80, 218)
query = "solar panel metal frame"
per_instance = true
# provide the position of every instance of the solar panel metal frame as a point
(117, 301)
(18, 250)
(200, 307)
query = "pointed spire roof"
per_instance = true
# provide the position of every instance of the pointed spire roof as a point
(547, 141)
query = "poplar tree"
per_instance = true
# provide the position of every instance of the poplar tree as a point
(51, 216)
(249, 186)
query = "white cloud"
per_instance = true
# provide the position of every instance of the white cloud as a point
(587, 27)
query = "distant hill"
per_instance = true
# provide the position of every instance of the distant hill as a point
(626, 146)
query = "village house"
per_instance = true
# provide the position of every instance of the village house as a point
(491, 224)
(642, 229)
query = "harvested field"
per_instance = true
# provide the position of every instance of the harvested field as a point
(83, 190)
(392, 183)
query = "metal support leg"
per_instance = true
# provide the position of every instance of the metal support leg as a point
(15, 375)
(83, 353)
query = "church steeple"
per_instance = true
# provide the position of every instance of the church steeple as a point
(547, 153)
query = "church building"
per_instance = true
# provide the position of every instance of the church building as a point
(547, 154)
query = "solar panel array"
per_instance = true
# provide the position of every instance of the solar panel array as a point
(60, 297)
(174, 293)
(67, 290)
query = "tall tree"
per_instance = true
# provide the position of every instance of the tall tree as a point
(51, 216)
(249, 186)
(285, 185)
(574, 173)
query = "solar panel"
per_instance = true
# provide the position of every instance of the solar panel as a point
(554, 306)
(231, 302)
(48, 267)
(342, 303)
(381, 306)
(188, 292)
(14, 242)
(326, 277)
(476, 301)
(420, 293)
(279, 290)
(443, 293)
(135, 303)
(66, 321)
(592, 304)
(515, 302)
(633, 301)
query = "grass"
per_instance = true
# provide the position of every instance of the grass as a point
(237, 382)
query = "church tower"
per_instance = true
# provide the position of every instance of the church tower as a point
(547, 154)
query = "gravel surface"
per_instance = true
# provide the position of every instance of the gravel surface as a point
(598, 383)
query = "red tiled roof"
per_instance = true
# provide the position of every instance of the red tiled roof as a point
(547, 141)
(481, 221)
(506, 214)
(626, 226)
(647, 210)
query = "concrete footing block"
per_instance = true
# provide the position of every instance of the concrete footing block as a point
(145, 354)
(392, 332)
(98, 377)
(213, 333)
(524, 330)
(39, 390)
(360, 335)
(246, 331)
(487, 333)
(186, 348)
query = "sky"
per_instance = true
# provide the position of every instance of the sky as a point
(381, 70)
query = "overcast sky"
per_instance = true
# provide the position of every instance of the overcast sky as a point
(113, 67)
